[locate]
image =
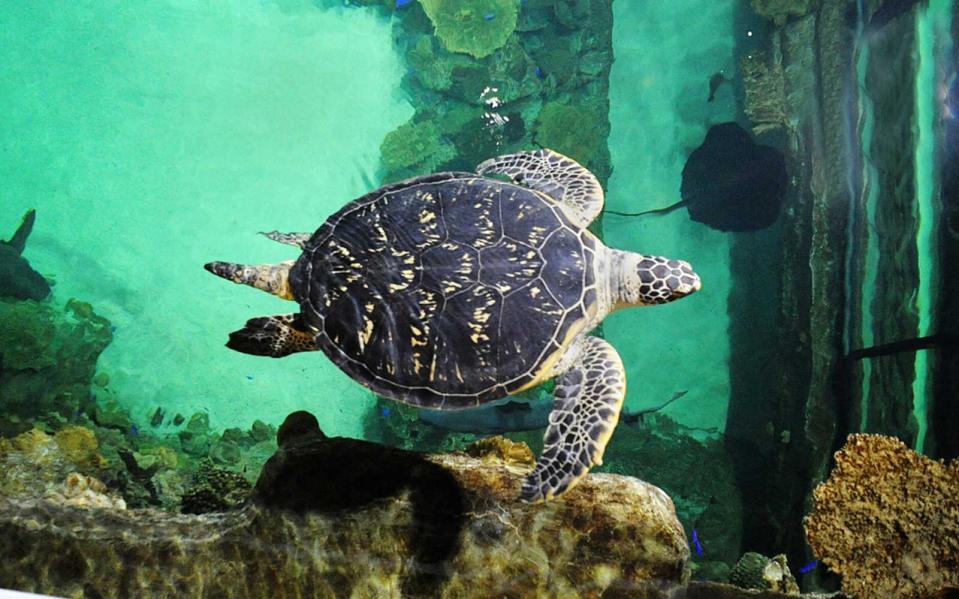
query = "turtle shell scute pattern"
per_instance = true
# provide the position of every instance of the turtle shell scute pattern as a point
(447, 290)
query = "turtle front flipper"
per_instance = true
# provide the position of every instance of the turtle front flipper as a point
(272, 278)
(589, 397)
(274, 336)
(561, 178)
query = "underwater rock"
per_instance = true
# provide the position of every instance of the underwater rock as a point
(84, 492)
(110, 415)
(18, 280)
(34, 461)
(260, 431)
(342, 517)
(887, 520)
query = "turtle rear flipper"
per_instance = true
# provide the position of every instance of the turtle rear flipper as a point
(274, 336)
(589, 397)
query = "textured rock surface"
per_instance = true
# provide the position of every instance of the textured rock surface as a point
(381, 522)
(887, 520)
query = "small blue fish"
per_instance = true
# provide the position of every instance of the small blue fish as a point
(249, 377)
(539, 72)
(489, 16)
(386, 412)
(699, 547)
(402, 3)
(113, 328)
(809, 567)
(134, 430)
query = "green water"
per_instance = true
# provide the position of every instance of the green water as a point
(153, 139)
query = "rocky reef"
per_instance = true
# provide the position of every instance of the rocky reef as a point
(887, 520)
(338, 517)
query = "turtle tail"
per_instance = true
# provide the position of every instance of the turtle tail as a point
(274, 336)
(272, 278)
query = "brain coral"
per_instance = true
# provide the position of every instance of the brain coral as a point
(887, 520)
(476, 27)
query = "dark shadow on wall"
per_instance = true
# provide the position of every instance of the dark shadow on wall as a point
(314, 473)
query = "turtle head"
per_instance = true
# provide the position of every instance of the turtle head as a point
(647, 280)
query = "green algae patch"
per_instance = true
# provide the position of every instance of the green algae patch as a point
(571, 130)
(474, 27)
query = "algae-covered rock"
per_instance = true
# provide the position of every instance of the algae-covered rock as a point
(48, 356)
(342, 517)
(35, 461)
(475, 27)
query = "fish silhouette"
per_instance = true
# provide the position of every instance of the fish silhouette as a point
(17, 277)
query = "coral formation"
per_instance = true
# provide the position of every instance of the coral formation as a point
(214, 490)
(501, 449)
(475, 27)
(571, 129)
(758, 572)
(414, 146)
(887, 520)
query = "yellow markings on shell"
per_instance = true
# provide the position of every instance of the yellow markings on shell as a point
(534, 291)
(369, 308)
(426, 216)
(366, 333)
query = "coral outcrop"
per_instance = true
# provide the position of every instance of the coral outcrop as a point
(764, 85)
(341, 517)
(48, 357)
(887, 520)
(475, 27)
(414, 146)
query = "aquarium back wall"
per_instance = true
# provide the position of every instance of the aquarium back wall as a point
(152, 138)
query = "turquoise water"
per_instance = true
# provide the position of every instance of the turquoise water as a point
(152, 139)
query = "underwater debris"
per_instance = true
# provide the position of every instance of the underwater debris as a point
(17, 278)
(887, 520)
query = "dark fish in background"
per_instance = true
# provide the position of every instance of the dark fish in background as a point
(730, 183)
(516, 416)
(714, 82)
(17, 278)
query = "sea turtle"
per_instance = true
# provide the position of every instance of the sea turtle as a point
(454, 289)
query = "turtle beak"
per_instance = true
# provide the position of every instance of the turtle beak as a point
(688, 282)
